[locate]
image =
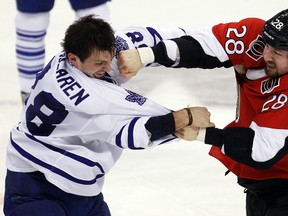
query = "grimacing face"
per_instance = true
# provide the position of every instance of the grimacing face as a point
(276, 61)
(95, 65)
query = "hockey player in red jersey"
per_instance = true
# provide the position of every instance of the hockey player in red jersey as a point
(255, 145)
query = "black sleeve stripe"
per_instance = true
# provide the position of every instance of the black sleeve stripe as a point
(238, 143)
(160, 126)
(193, 56)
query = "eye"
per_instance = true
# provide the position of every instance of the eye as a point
(279, 53)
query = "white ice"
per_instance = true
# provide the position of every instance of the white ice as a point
(179, 179)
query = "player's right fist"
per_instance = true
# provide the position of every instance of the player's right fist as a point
(129, 63)
(201, 117)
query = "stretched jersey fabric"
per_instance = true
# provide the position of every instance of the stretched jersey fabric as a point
(135, 37)
(262, 100)
(73, 128)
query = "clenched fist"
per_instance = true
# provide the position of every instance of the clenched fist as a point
(129, 63)
(201, 117)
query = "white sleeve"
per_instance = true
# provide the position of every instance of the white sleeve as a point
(210, 44)
(272, 139)
(123, 115)
(136, 37)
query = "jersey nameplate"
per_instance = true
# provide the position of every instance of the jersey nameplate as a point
(71, 87)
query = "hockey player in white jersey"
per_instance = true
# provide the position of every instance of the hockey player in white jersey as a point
(76, 123)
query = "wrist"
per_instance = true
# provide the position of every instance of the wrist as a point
(201, 134)
(146, 55)
(190, 117)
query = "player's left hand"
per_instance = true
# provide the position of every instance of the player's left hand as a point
(129, 63)
(188, 133)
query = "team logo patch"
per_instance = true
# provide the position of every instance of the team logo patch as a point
(121, 44)
(135, 98)
(268, 85)
(256, 48)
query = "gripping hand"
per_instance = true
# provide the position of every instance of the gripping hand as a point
(188, 133)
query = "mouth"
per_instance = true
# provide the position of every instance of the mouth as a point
(270, 66)
(99, 74)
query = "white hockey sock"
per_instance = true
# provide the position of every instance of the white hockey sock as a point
(30, 47)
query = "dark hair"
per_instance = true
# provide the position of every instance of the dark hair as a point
(88, 34)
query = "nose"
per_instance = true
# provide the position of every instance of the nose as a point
(107, 66)
(267, 53)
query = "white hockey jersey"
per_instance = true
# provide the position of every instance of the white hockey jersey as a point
(73, 128)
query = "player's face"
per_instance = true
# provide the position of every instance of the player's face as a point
(276, 61)
(96, 64)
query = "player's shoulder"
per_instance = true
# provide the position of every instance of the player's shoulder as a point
(240, 28)
(252, 21)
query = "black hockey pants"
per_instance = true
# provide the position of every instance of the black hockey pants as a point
(266, 198)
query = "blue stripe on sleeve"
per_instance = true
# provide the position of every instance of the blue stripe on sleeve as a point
(130, 135)
(118, 138)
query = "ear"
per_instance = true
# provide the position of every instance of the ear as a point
(73, 59)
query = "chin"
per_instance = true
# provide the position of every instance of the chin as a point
(97, 76)
(270, 73)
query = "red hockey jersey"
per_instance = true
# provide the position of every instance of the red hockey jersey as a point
(262, 100)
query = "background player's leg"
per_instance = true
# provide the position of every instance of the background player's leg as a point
(30, 47)
(98, 7)
(102, 11)
(31, 22)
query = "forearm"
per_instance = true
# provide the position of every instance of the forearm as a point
(238, 142)
(160, 126)
(185, 52)
(178, 52)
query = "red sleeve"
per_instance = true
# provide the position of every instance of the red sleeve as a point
(242, 41)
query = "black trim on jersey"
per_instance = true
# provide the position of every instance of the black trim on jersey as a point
(160, 55)
(238, 143)
(214, 136)
(160, 126)
(191, 55)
